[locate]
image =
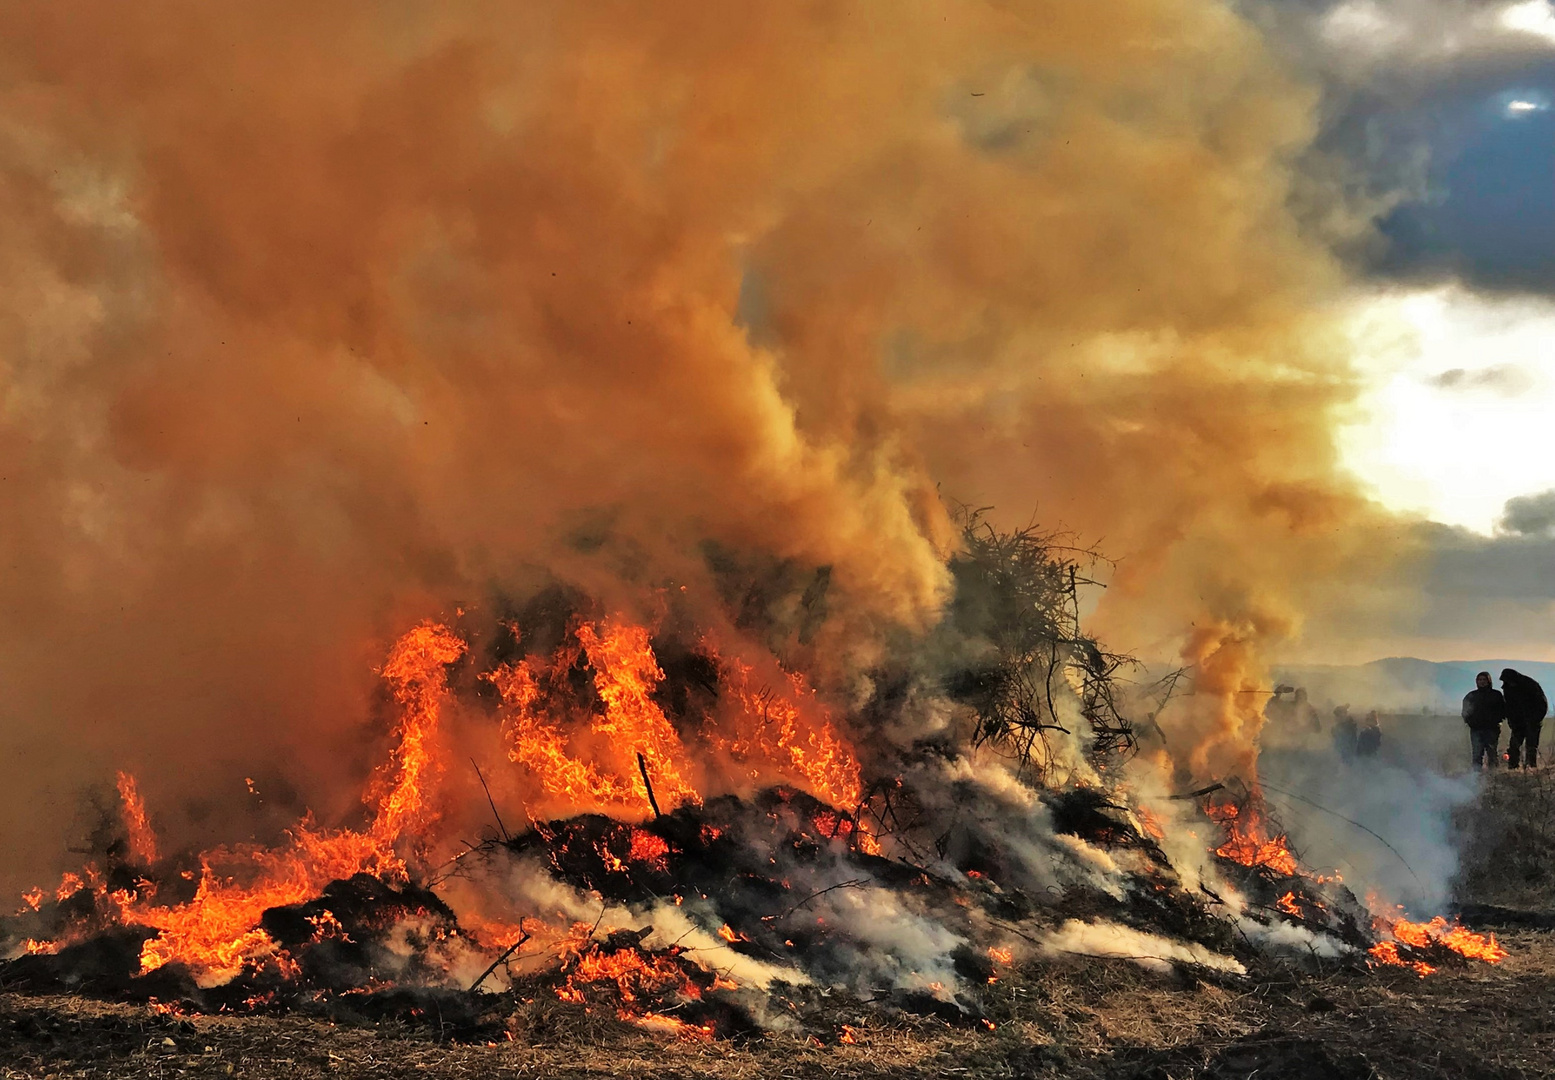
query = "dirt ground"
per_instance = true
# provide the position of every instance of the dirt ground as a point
(1084, 1018)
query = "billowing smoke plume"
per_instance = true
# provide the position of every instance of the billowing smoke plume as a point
(315, 320)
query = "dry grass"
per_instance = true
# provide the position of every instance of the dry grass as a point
(1506, 842)
(1093, 1019)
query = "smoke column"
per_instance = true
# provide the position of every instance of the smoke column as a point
(315, 320)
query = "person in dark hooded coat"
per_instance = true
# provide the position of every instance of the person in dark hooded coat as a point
(1525, 709)
(1483, 710)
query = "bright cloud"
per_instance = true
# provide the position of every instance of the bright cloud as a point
(1533, 17)
(1456, 418)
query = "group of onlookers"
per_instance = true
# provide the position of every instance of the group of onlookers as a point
(1355, 740)
(1521, 703)
(1296, 713)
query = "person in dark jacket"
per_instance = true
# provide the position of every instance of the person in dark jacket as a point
(1525, 709)
(1346, 732)
(1369, 741)
(1483, 710)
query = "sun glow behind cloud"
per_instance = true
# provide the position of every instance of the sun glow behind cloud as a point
(1461, 394)
(1533, 17)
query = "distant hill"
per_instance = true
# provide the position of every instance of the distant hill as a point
(1405, 684)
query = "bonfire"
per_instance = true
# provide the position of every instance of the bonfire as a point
(708, 841)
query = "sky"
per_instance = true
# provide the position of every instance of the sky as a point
(1438, 129)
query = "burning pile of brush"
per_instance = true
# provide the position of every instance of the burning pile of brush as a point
(705, 844)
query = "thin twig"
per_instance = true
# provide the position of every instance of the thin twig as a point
(506, 839)
(1319, 806)
(511, 949)
(850, 884)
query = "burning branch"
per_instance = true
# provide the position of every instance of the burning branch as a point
(642, 767)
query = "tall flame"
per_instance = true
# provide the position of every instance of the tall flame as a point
(772, 729)
(142, 840)
(595, 758)
(770, 734)
(625, 674)
(417, 672)
(216, 933)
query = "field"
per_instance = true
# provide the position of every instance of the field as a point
(1082, 1017)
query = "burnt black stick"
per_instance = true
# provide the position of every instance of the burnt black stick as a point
(642, 767)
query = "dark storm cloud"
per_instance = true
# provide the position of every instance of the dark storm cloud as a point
(1444, 178)
(1497, 592)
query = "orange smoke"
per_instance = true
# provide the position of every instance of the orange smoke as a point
(319, 315)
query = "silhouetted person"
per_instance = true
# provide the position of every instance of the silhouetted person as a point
(1305, 716)
(1279, 712)
(1483, 710)
(1525, 709)
(1346, 732)
(1369, 741)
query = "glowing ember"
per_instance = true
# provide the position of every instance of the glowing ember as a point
(1287, 904)
(650, 849)
(660, 1024)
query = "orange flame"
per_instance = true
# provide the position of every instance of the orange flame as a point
(1247, 841)
(636, 974)
(417, 672)
(1451, 936)
(626, 674)
(142, 841)
(592, 762)
(215, 934)
(793, 733)
(1386, 952)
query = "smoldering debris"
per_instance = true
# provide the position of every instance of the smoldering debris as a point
(709, 841)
